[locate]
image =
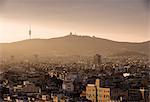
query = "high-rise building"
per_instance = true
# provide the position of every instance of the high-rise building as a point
(95, 93)
(97, 59)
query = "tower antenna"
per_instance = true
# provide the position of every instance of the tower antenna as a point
(29, 32)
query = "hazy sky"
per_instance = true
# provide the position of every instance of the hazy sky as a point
(120, 20)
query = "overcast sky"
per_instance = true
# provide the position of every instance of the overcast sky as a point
(120, 20)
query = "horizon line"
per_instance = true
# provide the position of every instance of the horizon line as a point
(92, 36)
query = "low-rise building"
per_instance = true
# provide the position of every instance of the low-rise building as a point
(68, 86)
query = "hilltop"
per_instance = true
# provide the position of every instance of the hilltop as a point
(73, 45)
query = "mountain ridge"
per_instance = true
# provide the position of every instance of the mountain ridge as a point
(148, 41)
(72, 45)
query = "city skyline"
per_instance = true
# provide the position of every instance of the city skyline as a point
(118, 20)
(74, 50)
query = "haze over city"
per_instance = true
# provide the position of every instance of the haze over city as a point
(74, 50)
(119, 20)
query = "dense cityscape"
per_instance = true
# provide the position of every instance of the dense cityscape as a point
(74, 50)
(80, 79)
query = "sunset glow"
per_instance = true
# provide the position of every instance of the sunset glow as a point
(120, 20)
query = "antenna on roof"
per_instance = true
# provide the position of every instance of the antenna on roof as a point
(70, 33)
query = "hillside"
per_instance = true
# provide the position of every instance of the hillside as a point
(71, 45)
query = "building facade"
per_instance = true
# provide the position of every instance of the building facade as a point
(95, 93)
(97, 59)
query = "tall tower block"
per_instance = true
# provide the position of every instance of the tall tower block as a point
(97, 59)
